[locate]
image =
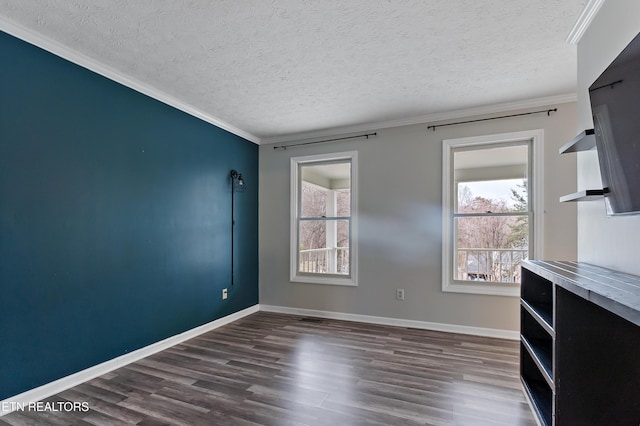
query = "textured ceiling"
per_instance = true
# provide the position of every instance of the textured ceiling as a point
(278, 67)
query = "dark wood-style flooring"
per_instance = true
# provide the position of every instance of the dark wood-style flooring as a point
(276, 369)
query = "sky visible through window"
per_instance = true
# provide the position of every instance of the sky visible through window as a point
(497, 190)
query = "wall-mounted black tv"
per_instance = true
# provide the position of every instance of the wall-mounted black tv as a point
(615, 105)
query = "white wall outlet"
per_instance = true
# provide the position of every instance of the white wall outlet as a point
(400, 293)
(224, 294)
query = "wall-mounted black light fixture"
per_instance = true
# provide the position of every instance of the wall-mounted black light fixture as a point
(237, 182)
(237, 185)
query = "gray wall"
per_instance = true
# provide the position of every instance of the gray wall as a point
(610, 242)
(400, 233)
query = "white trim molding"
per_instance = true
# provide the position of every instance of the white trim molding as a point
(396, 322)
(58, 49)
(537, 183)
(75, 379)
(429, 118)
(584, 20)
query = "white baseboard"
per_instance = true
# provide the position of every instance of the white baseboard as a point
(37, 394)
(435, 326)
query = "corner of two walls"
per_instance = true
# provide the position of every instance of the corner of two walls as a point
(400, 221)
(605, 241)
(115, 219)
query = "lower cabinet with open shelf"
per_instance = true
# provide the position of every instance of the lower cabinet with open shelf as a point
(580, 344)
(536, 387)
(539, 343)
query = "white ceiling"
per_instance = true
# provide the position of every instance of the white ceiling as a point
(271, 70)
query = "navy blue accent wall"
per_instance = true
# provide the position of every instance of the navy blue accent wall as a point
(115, 219)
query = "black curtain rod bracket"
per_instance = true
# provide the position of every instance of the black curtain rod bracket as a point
(610, 86)
(284, 147)
(548, 111)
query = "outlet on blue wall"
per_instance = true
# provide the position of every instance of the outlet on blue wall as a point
(115, 219)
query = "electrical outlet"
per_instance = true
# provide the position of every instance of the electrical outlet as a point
(224, 294)
(400, 293)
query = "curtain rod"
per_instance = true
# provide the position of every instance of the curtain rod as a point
(326, 140)
(548, 111)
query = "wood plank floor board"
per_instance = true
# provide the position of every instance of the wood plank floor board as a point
(493, 415)
(297, 394)
(186, 370)
(368, 415)
(170, 376)
(215, 372)
(201, 397)
(208, 353)
(110, 409)
(98, 418)
(433, 399)
(173, 413)
(327, 381)
(298, 412)
(416, 370)
(289, 370)
(222, 387)
(89, 390)
(119, 387)
(417, 411)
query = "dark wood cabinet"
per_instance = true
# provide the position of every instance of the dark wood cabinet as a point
(580, 344)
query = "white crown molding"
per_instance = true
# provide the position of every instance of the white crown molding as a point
(58, 49)
(75, 379)
(584, 20)
(429, 118)
(448, 328)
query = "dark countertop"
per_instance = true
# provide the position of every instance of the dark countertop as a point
(614, 291)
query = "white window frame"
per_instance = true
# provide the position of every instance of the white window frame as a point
(536, 183)
(295, 276)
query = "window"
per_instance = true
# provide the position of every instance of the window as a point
(491, 196)
(323, 219)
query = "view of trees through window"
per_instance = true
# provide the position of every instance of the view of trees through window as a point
(492, 230)
(323, 239)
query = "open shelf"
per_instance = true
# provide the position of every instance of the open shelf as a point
(537, 298)
(539, 343)
(536, 343)
(541, 354)
(536, 388)
(583, 142)
(541, 312)
(585, 195)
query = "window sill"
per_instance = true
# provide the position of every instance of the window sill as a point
(314, 279)
(486, 289)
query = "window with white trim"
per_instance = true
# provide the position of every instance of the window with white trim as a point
(489, 203)
(323, 219)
